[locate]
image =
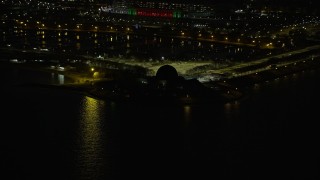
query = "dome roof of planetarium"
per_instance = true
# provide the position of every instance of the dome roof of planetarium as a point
(167, 72)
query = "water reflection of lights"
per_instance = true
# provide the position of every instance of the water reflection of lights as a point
(232, 105)
(91, 137)
(187, 114)
(57, 78)
(231, 109)
(61, 78)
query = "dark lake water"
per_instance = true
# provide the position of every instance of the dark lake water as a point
(127, 46)
(55, 134)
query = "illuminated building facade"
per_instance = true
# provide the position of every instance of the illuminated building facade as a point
(159, 8)
(154, 12)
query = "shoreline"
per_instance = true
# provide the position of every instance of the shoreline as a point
(76, 77)
(232, 89)
(246, 82)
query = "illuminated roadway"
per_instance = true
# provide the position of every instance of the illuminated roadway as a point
(231, 71)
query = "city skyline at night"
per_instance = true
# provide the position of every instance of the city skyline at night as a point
(158, 89)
